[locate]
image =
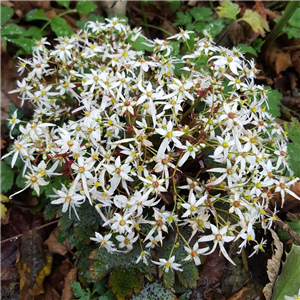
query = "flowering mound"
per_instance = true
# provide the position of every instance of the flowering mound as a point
(156, 143)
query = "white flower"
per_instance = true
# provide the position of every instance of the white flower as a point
(190, 150)
(169, 135)
(127, 241)
(69, 198)
(183, 34)
(219, 237)
(192, 205)
(168, 264)
(104, 241)
(194, 253)
(259, 247)
(120, 173)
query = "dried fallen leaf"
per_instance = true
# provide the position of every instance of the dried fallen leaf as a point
(67, 292)
(45, 4)
(50, 294)
(114, 7)
(2, 143)
(273, 265)
(7, 3)
(3, 211)
(34, 264)
(235, 32)
(57, 247)
(278, 60)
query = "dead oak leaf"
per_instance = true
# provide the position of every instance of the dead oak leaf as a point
(273, 265)
(67, 292)
(55, 246)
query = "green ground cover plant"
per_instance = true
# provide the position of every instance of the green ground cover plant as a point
(107, 145)
(152, 159)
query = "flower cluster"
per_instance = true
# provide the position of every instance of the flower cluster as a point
(156, 143)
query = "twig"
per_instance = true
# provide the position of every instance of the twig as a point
(37, 228)
(284, 226)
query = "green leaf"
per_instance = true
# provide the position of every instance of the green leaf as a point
(7, 177)
(81, 23)
(255, 20)
(247, 49)
(288, 282)
(293, 132)
(257, 44)
(153, 291)
(33, 31)
(104, 262)
(93, 17)
(50, 211)
(65, 222)
(292, 32)
(65, 4)
(228, 10)
(284, 235)
(60, 27)
(12, 30)
(124, 282)
(189, 276)
(24, 43)
(37, 14)
(169, 278)
(174, 5)
(295, 19)
(83, 233)
(183, 19)
(6, 14)
(214, 27)
(139, 46)
(202, 14)
(176, 48)
(85, 7)
(77, 289)
(274, 102)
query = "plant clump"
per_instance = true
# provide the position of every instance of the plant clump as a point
(156, 143)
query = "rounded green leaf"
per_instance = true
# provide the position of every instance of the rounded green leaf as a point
(65, 4)
(37, 14)
(60, 27)
(85, 7)
(6, 13)
(288, 282)
(12, 30)
(125, 281)
(7, 177)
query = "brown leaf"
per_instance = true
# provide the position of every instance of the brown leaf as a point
(9, 274)
(45, 4)
(272, 14)
(57, 247)
(235, 32)
(114, 7)
(208, 286)
(51, 14)
(50, 294)
(8, 83)
(239, 295)
(58, 275)
(2, 143)
(273, 265)
(296, 61)
(278, 60)
(7, 3)
(34, 264)
(192, 3)
(67, 292)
